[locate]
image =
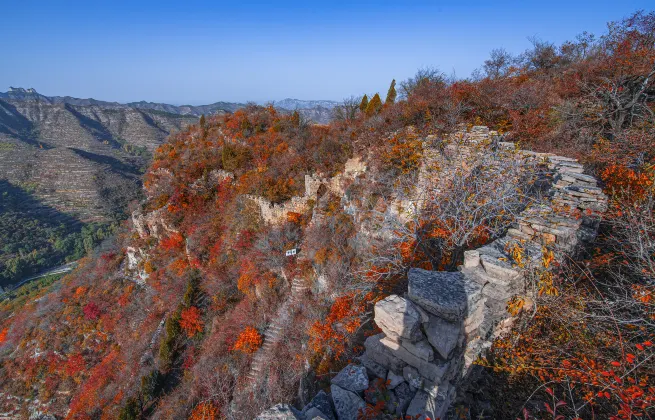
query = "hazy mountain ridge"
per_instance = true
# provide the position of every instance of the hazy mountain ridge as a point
(30, 94)
(297, 104)
(320, 109)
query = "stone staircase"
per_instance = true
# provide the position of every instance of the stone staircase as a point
(275, 332)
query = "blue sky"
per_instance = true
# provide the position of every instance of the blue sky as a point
(206, 51)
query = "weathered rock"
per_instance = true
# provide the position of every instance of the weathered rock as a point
(323, 403)
(352, 378)
(347, 404)
(445, 294)
(394, 380)
(373, 368)
(424, 405)
(281, 412)
(420, 349)
(431, 370)
(379, 353)
(471, 258)
(413, 378)
(315, 414)
(443, 335)
(398, 318)
(404, 394)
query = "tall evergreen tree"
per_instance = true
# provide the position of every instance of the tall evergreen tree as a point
(374, 106)
(364, 104)
(295, 119)
(202, 121)
(391, 94)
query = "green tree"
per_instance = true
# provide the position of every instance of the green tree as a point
(374, 106)
(363, 104)
(391, 93)
(202, 121)
(295, 119)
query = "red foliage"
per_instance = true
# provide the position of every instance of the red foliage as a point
(173, 242)
(75, 364)
(91, 311)
(191, 321)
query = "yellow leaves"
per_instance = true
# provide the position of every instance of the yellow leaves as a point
(547, 257)
(515, 305)
(546, 286)
(517, 253)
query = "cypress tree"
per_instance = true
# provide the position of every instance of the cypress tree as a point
(202, 121)
(364, 104)
(374, 106)
(391, 94)
(295, 119)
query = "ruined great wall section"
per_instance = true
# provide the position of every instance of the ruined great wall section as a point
(432, 334)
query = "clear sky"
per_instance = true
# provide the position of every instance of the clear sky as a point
(199, 52)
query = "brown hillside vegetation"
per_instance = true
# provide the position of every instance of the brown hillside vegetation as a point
(171, 318)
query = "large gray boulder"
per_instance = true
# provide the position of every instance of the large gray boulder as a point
(398, 318)
(347, 404)
(445, 294)
(353, 378)
(281, 412)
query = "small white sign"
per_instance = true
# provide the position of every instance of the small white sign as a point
(291, 252)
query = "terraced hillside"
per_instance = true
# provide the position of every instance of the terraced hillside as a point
(67, 173)
(81, 160)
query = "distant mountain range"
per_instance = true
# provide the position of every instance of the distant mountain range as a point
(318, 111)
(83, 157)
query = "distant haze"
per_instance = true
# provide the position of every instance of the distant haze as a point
(200, 52)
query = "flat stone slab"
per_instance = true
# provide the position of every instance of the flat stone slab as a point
(381, 355)
(445, 294)
(352, 378)
(443, 335)
(394, 380)
(398, 318)
(434, 370)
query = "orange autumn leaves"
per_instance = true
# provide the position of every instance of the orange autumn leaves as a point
(627, 183)
(249, 341)
(205, 410)
(344, 318)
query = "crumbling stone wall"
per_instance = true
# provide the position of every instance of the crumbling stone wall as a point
(277, 213)
(433, 333)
